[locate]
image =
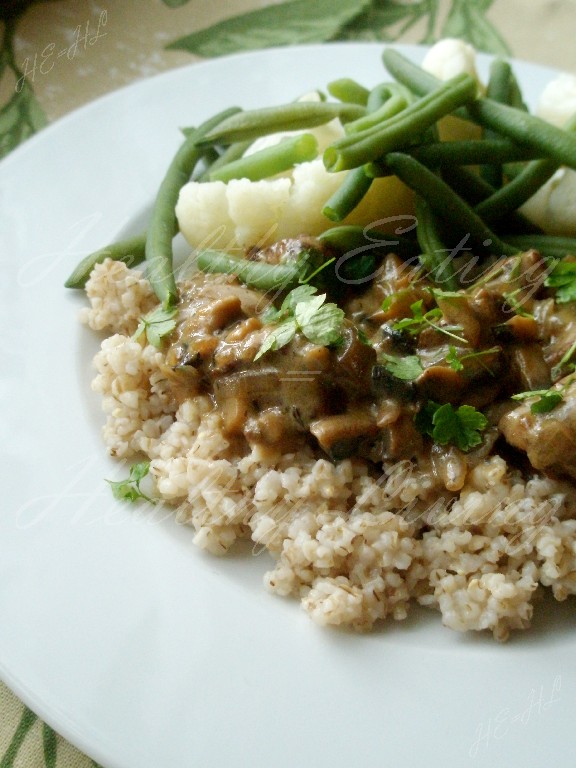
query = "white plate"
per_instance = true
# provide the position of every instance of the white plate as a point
(136, 646)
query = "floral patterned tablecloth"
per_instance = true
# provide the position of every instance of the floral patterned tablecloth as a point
(56, 55)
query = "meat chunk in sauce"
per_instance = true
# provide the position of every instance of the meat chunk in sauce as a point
(548, 439)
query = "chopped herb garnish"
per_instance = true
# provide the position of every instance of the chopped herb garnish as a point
(557, 369)
(406, 368)
(420, 319)
(439, 294)
(455, 361)
(445, 424)
(363, 339)
(129, 489)
(303, 311)
(516, 305)
(157, 324)
(547, 400)
(562, 277)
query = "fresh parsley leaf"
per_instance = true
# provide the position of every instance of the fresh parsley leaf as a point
(129, 489)
(420, 319)
(363, 338)
(453, 360)
(547, 400)
(278, 337)
(305, 312)
(298, 294)
(406, 368)
(157, 324)
(445, 424)
(324, 327)
(562, 277)
(546, 403)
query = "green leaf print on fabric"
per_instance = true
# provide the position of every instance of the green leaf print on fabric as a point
(299, 21)
(27, 720)
(289, 23)
(467, 20)
(21, 116)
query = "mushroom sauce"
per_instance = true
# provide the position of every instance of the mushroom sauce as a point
(501, 336)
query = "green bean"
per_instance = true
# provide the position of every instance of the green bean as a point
(355, 185)
(409, 74)
(466, 183)
(271, 160)
(233, 152)
(445, 202)
(381, 93)
(163, 223)
(378, 95)
(472, 152)
(514, 194)
(523, 185)
(393, 106)
(255, 274)
(516, 98)
(295, 116)
(351, 237)
(474, 190)
(435, 257)
(555, 143)
(130, 251)
(400, 131)
(499, 90)
(206, 161)
(549, 246)
(348, 90)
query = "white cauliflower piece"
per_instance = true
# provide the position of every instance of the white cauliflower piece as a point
(557, 101)
(255, 208)
(446, 59)
(450, 57)
(553, 207)
(242, 214)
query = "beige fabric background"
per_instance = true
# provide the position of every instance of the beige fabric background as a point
(131, 47)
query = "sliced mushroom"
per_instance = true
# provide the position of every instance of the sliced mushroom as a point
(339, 435)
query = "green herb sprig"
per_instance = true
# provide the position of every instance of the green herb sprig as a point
(129, 488)
(406, 368)
(420, 319)
(455, 361)
(562, 277)
(302, 311)
(157, 324)
(445, 424)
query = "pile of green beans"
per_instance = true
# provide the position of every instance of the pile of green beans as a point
(468, 189)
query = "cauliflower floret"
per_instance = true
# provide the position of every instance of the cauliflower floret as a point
(446, 59)
(553, 207)
(242, 214)
(450, 57)
(558, 100)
